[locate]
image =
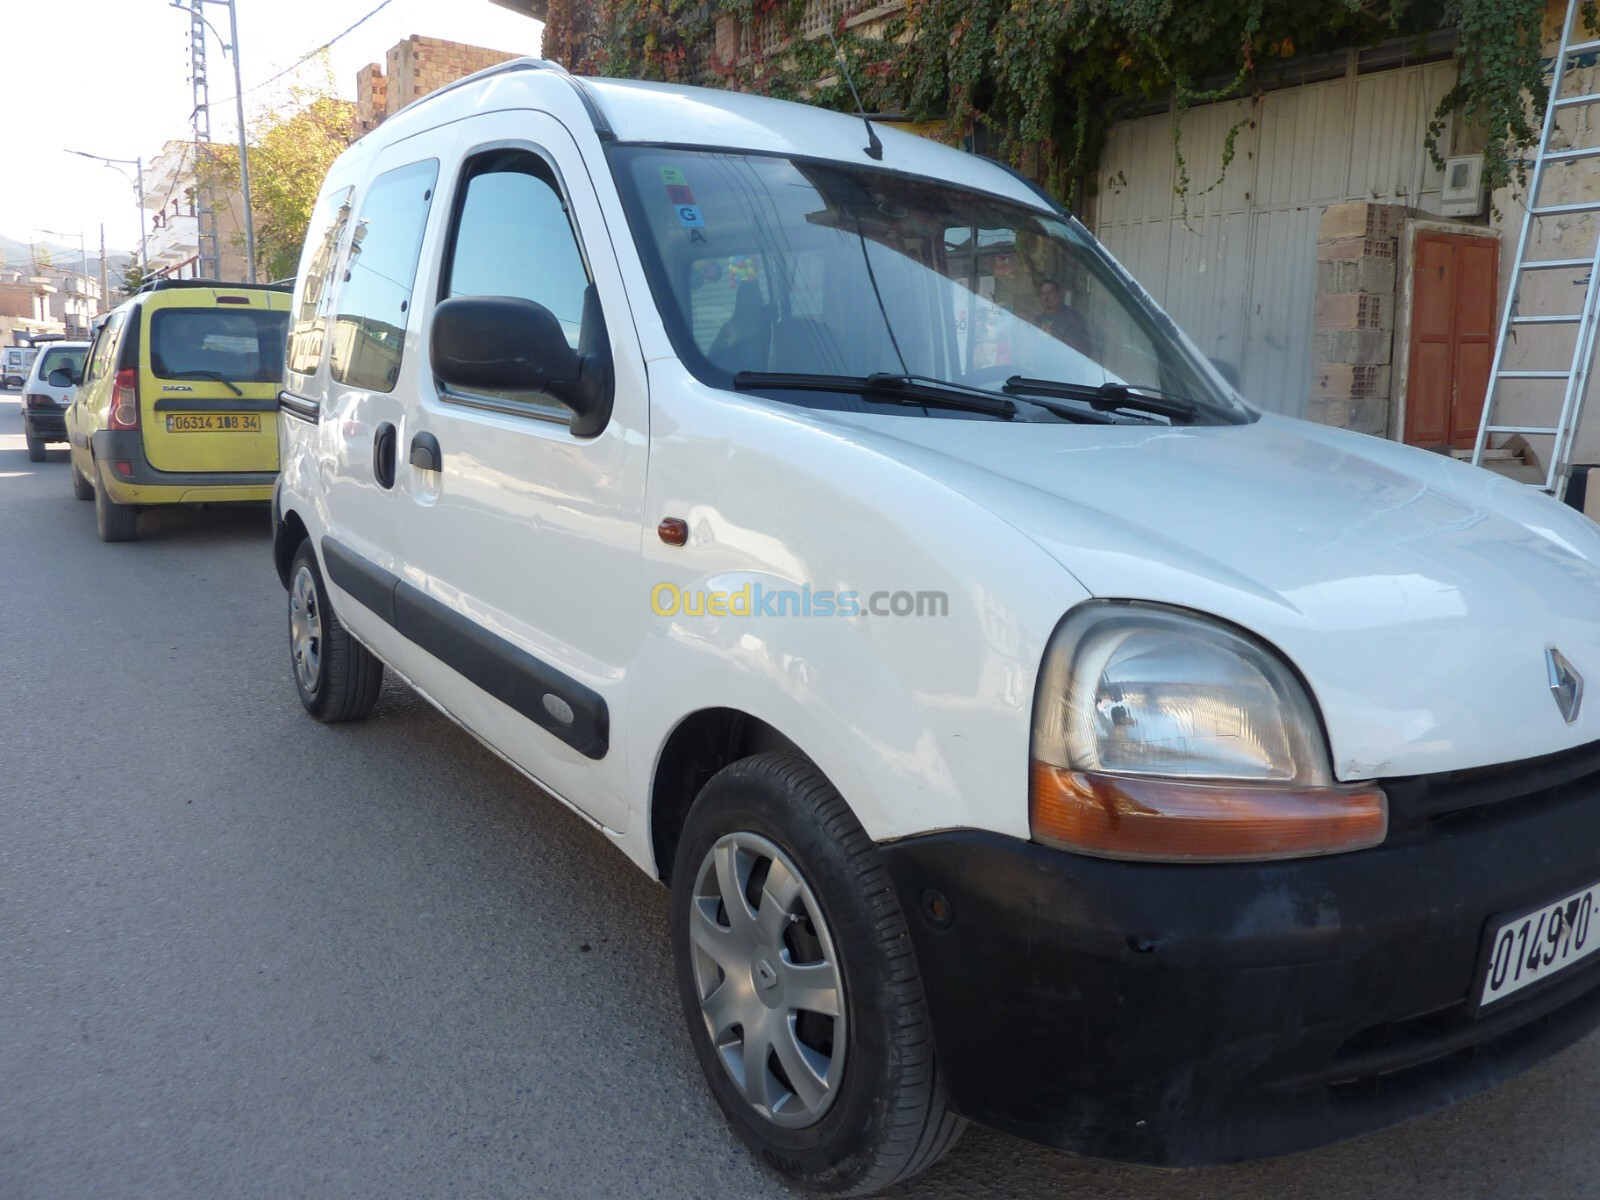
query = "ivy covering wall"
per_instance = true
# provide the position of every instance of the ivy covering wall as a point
(1046, 77)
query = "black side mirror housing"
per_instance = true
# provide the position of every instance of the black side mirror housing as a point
(510, 344)
(63, 377)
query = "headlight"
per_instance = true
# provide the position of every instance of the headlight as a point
(1161, 735)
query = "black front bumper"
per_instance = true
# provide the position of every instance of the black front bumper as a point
(1182, 1015)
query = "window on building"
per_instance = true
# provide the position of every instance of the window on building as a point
(381, 269)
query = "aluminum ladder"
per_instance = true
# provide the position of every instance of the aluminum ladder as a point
(1576, 372)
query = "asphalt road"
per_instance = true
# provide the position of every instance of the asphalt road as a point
(246, 955)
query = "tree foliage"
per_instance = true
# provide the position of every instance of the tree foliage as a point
(291, 148)
(132, 276)
(1046, 78)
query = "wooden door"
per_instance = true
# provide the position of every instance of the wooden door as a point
(1455, 283)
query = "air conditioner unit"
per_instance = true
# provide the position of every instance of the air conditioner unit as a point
(1463, 186)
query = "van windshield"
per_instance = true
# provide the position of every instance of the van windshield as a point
(776, 273)
(238, 346)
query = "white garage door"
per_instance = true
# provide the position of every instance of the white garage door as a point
(1236, 266)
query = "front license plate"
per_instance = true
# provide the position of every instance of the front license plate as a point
(1530, 949)
(213, 422)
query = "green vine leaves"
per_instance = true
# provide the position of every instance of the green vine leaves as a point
(1044, 79)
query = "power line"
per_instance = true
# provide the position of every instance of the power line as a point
(310, 54)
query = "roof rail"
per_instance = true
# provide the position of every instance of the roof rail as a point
(602, 127)
(162, 285)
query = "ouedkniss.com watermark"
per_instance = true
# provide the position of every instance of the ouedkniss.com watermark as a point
(753, 600)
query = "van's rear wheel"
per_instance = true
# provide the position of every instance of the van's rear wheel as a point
(337, 677)
(116, 522)
(35, 446)
(81, 487)
(797, 978)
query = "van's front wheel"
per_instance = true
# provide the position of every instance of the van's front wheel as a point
(799, 984)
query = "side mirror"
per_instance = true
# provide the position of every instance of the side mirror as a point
(509, 344)
(1228, 371)
(63, 377)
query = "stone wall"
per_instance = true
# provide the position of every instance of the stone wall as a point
(1352, 370)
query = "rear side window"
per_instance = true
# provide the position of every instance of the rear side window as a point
(208, 343)
(306, 336)
(105, 346)
(381, 269)
(56, 360)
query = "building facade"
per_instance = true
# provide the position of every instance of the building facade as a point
(171, 200)
(412, 69)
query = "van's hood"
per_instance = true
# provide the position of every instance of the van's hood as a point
(1416, 594)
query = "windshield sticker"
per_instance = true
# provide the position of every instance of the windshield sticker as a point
(679, 194)
(673, 177)
(689, 215)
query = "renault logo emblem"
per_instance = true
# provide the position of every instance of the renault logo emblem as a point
(1565, 684)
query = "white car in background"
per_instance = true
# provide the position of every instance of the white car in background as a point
(14, 364)
(44, 404)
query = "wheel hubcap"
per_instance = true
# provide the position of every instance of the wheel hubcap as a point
(305, 629)
(768, 980)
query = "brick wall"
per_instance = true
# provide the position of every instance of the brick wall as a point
(415, 67)
(1352, 369)
(372, 97)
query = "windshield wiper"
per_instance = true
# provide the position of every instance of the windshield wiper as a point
(228, 383)
(1111, 397)
(919, 391)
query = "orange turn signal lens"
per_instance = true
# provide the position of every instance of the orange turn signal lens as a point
(1168, 820)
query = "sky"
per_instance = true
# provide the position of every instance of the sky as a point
(111, 77)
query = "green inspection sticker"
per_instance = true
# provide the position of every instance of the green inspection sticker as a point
(673, 177)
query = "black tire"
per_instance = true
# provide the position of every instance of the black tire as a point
(886, 1119)
(81, 487)
(35, 446)
(115, 522)
(337, 677)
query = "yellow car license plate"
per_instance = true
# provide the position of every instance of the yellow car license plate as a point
(213, 422)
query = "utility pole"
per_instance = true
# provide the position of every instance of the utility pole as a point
(206, 216)
(83, 266)
(210, 248)
(105, 291)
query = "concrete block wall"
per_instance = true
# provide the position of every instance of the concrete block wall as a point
(415, 67)
(420, 65)
(372, 96)
(1354, 316)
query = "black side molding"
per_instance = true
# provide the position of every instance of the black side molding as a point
(299, 406)
(549, 698)
(369, 583)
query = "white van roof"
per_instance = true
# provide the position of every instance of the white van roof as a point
(669, 114)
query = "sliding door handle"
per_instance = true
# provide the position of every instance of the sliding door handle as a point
(383, 444)
(425, 454)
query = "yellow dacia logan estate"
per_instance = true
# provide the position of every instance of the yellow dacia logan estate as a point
(178, 400)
